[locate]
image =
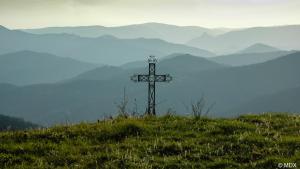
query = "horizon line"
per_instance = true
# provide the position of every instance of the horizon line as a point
(143, 23)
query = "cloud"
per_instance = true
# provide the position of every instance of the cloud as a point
(210, 13)
(29, 4)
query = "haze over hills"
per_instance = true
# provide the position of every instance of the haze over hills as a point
(27, 67)
(134, 64)
(100, 73)
(86, 99)
(6, 87)
(110, 84)
(282, 37)
(259, 48)
(285, 101)
(234, 86)
(87, 91)
(103, 50)
(241, 59)
(179, 65)
(92, 95)
(170, 33)
(185, 63)
(179, 56)
(142, 63)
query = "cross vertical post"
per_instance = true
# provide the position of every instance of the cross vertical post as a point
(151, 88)
(151, 78)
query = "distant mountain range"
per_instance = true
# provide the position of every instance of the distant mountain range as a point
(94, 94)
(27, 67)
(170, 33)
(178, 64)
(259, 48)
(242, 59)
(236, 59)
(220, 41)
(101, 50)
(233, 86)
(90, 95)
(282, 37)
(56, 75)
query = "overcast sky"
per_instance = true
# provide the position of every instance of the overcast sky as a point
(205, 13)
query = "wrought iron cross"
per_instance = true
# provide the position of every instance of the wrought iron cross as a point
(151, 78)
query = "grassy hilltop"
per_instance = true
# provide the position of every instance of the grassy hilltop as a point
(250, 141)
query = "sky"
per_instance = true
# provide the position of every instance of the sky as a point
(16, 14)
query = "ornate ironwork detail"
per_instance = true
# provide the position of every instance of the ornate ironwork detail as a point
(151, 78)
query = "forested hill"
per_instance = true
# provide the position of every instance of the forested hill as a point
(12, 123)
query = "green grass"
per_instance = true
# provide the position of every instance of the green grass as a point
(250, 141)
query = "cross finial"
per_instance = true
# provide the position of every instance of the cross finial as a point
(152, 59)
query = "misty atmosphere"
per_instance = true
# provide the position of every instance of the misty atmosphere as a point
(53, 75)
(224, 69)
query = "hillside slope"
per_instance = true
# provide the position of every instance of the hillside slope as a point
(178, 65)
(12, 123)
(100, 73)
(185, 63)
(287, 100)
(28, 67)
(242, 59)
(259, 48)
(166, 142)
(6, 87)
(233, 86)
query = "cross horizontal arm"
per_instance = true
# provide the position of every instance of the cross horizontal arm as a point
(163, 78)
(140, 78)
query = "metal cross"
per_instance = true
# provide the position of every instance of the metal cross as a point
(151, 78)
